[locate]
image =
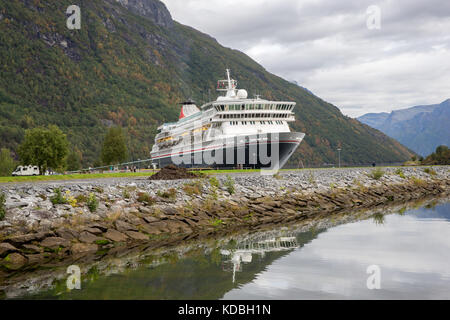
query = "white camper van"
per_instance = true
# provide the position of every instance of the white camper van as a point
(26, 171)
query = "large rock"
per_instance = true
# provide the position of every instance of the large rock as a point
(78, 248)
(6, 248)
(136, 235)
(67, 234)
(160, 225)
(115, 235)
(100, 226)
(95, 231)
(55, 242)
(13, 205)
(151, 219)
(124, 226)
(150, 229)
(14, 261)
(88, 237)
(29, 237)
(31, 248)
(37, 259)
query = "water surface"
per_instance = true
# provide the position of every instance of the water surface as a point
(411, 248)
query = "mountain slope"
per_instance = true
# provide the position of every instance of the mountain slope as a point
(421, 128)
(129, 65)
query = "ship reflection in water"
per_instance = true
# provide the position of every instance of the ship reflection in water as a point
(260, 246)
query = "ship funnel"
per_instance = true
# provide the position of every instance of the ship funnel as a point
(188, 108)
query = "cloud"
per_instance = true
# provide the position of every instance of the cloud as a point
(327, 47)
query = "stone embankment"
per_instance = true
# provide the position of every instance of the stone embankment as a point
(49, 224)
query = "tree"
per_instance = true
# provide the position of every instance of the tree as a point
(441, 156)
(44, 147)
(114, 147)
(7, 163)
(74, 160)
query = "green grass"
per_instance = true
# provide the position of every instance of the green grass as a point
(77, 176)
(148, 174)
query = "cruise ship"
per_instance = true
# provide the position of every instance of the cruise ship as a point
(230, 132)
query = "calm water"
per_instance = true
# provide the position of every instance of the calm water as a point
(411, 248)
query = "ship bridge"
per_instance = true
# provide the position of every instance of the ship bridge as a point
(234, 113)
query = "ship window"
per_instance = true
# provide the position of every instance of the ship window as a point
(243, 107)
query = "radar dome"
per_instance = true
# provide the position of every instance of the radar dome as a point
(242, 94)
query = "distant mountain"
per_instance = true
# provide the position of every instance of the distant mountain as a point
(130, 65)
(420, 128)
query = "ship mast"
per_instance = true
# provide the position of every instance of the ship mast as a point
(229, 79)
(229, 86)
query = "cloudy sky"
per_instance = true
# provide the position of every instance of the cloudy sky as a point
(328, 47)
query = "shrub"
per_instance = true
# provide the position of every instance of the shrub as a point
(98, 189)
(278, 176)
(193, 188)
(81, 198)
(58, 198)
(376, 174)
(229, 184)
(70, 199)
(430, 171)
(168, 194)
(214, 182)
(126, 194)
(417, 181)
(400, 173)
(2, 206)
(92, 202)
(145, 198)
(311, 178)
(216, 223)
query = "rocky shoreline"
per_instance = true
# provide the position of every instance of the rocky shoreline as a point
(53, 224)
(28, 284)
